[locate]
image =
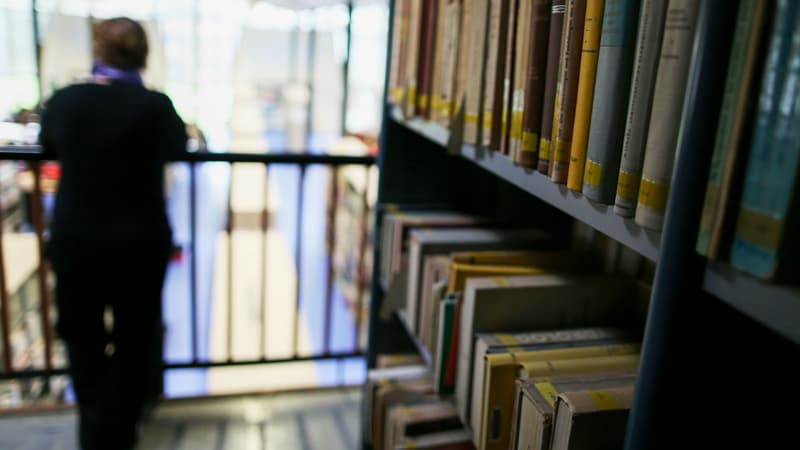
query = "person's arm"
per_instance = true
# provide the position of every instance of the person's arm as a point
(173, 131)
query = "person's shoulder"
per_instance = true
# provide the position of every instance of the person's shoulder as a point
(159, 99)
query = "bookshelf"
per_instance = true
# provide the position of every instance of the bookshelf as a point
(774, 306)
(704, 319)
(423, 352)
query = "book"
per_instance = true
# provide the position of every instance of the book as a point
(452, 352)
(611, 90)
(408, 381)
(522, 41)
(567, 89)
(723, 189)
(476, 80)
(592, 419)
(493, 412)
(434, 285)
(643, 77)
(554, 43)
(535, 405)
(396, 63)
(413, 56)
(450, 62)
(769, 208)
(424, 242)
(439, 62)
(592, 28)
(447, 307)
(534, 84)
(544, 302)
(462, 55)
(409, 421)
(426, 58)
(446, 440)
(384, 361)
(668, 97)
(495, 69)
(509, 77)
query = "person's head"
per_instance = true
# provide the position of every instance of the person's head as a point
(120, 42)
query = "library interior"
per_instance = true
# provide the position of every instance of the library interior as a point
(307, 201)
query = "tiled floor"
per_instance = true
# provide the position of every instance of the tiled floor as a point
(313, 420)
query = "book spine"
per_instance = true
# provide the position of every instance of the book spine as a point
(528, 154)
(426, 56)
(395, 87)
(645, 66)
(668, 96)
(772, 165)
(412, 50)
(522, 40)
(447, 82)
(462, 54)
(438, 62)
(476, 79)
(554, 43)
(567, 89)
(593, 25)
(731, 138)
(446, 315)
(510, 59)
(610, 105)
(495, 70)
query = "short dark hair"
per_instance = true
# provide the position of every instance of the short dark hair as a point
(120, 42)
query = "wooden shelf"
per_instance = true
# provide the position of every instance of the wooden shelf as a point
(423, 352)
(775, 306)
(600, 217)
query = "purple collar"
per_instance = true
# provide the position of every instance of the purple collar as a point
(102, 72)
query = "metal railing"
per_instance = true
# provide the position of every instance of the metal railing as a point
(31, 156)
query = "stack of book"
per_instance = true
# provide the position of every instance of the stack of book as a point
(507, 321)
(591, 93)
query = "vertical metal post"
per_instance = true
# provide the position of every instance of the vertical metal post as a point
(5, 319)
(229, 270)
(331, 244)
(312, 59)
(346, 66)
(298, 254)
(37, 45)
(265, 237)
(675, 318)
(193, 258)
(362, 249)
(45, 300)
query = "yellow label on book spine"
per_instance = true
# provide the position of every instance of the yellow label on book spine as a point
(653, 194)
(544, 149)
(471, 119)
(548, 391)
(561, 151)
(412, 96)
(507, 339)
(603, 400)
(422, 101)
(487, 121)
(529, 141)
(444, 109)
(760, 229)
(516, 124)
(592, 175)
(503, 122)
(627, 185)
(502, 281)
(436, 103)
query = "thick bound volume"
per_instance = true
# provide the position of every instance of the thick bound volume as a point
(769, 211)
(427, 46)
(611, 93)
(593, 26)
(509, 77)
(733, 130)
(438, 62)
(592, 419)
(397, 63)
(528, 154)
(521, 43)
(550, 83)
(447, 79)
(665, 118)
(412, 56)
(473, 100)
(645, 66)
(463, 50)
(495, 69)
(567, 89)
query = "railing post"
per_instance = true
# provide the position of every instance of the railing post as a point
(45, 300)
(331, 245)
(298, 257)
(4, 304)
(362, 249)
(193, 258)
(265, 239)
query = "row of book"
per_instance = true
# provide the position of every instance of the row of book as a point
(591, 93)
(506, 318)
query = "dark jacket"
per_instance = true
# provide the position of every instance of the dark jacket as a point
(112, 142)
